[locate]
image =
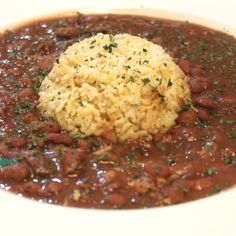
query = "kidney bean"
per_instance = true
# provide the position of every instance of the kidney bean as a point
(229, 99)
(175, 194)
(109, 135)
(155, 169)
(16, 172)
(17, 142)
(59, 138)
(26, 82)
(67, 33)
(198, 84)
(53, 189)
(203, 115)
(142, 185)
(115, 199)
(46, 47)
(185, 66)
(40, 166)
(71, 162)
(204, 101)
(46, 63)
(203, 183)
(187, 117)
(28, 118)
(48, 127)
(25, 95)
(84, 146)
(197, 71)
(32, 188)
(110, 175)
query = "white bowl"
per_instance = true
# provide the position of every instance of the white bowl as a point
(210, 216)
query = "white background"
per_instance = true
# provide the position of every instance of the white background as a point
(213, 216)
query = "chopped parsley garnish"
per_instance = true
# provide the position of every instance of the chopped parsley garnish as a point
(186, 106)
(216, 190)
(231, 135)
(62, 24)
(211, 171)
(132, 162)
(101, 157)
(162, 147)
(131, 78)
(145, 50)
(227, 122)
(11, 54)
(4, 162)
(170, 162)
(169, 83)
(23, 107)
(229, 160)
(202, 125)
(110, 46)
(146, 80)
(41, 73)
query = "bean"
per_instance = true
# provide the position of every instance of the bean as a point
(142, 185)
(115, 199)
(67, 33)
(203, 115)
(40, 166)
(71, 162)
(16, 172)
(25, 95)
(84, 146)
(59, 138)
(109, 135)
(187, 117)
(185, 66)
(197, 71)
(204, 101)
(229, 99)
(46, 63)
(53, 189)
(48, 127)
(175, 194)
(17, 142)
(155, 169)
(28, 118)
(198, 85)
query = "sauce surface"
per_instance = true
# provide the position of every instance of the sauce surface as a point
(195, 159)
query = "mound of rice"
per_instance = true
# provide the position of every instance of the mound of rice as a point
(120, 82)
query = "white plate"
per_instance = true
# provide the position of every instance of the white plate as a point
(210, 216)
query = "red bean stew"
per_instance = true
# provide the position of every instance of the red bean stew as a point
(195, 159)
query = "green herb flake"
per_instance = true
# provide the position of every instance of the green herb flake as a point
(211, 171)
(169, 83)
(145, 50)
(231, 135)
(162, 147)
(131, 79)
(216, 190)
(23, 107)
(146, 80)
(227, 122)
(202, 125)
(4, 162)
(101, 157)
(132, 161)
(110, 47)
(170, 162)
(62, 24)
(41, 73)
(229, 160)
(11, 54)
